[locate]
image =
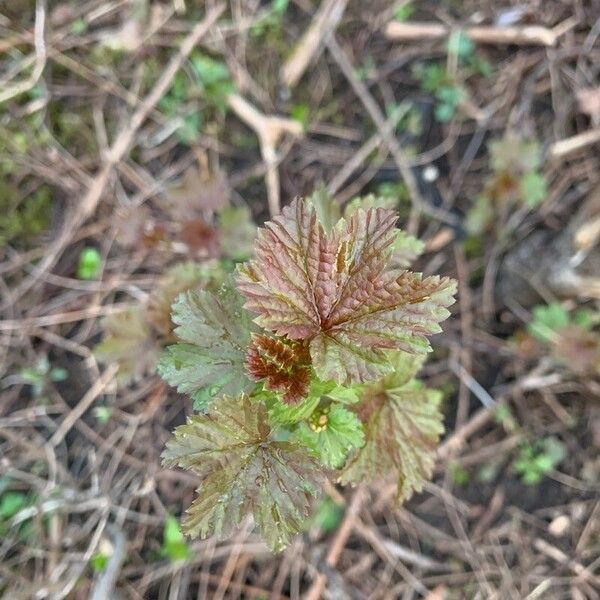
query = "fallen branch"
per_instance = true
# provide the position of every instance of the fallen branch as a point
(325, 21)
(527, 35)
(574, 143)
(269, 130)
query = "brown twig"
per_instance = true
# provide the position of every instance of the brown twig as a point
(323, 23)
(339, 541)
(529, 35)
(574, 143)
(269, 130)
(83, 405)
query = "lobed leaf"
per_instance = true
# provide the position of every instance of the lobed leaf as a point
(180, 278)
(334, 291)
(283, 364)
(402, 428)
(331, 433)
(243, 470)
(216, 331)
(406, 248)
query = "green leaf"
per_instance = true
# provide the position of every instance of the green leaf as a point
(216, 331)
(444, 112)
(129, 342)
(174, 545)
(11, 503)
(402, 428)
(331, 433)
(301, 113)
(243, 470)
(90, 263)
(327, 516)
(538, 459)
(404, 12)
(103, 414)
(407, 248)
(534, 188)
(281, 414)
(99, 561)
(179, 278)
(480, 215)
(547, 321)
(336, 291)
(460, 44)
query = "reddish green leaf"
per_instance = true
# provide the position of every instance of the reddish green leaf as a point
(334, 291)
(403, 424)
(243, 470)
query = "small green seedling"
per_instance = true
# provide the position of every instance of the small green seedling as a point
(41, 374)
(12, 502)
(103, 414)
(537, 459)
(570, 336)
(326, 517)
(99, 561)
(515, 179)
(448, 93)
(174, 545)
(459, 475)
(197, 95)
(90, 264)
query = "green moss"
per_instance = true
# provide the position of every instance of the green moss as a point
(20, 221)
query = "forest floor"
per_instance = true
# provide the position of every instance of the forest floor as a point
(139, 135)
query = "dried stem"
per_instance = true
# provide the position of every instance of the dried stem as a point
(269, 130)
(531, 35)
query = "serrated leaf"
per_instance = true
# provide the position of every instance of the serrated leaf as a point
(216, 331)
(283, 364)
(368, 202)
(129, 342)
(406, 248)
(243, 470)
(331, 433)
(402, 428)
(335, 292)
(180, 278)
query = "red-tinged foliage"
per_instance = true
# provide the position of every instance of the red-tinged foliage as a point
(334, 291)
(283, 364)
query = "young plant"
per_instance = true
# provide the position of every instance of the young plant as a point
(303, 367)
(571, 338)
(515, 179)
(134, 338)
(536, 460)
